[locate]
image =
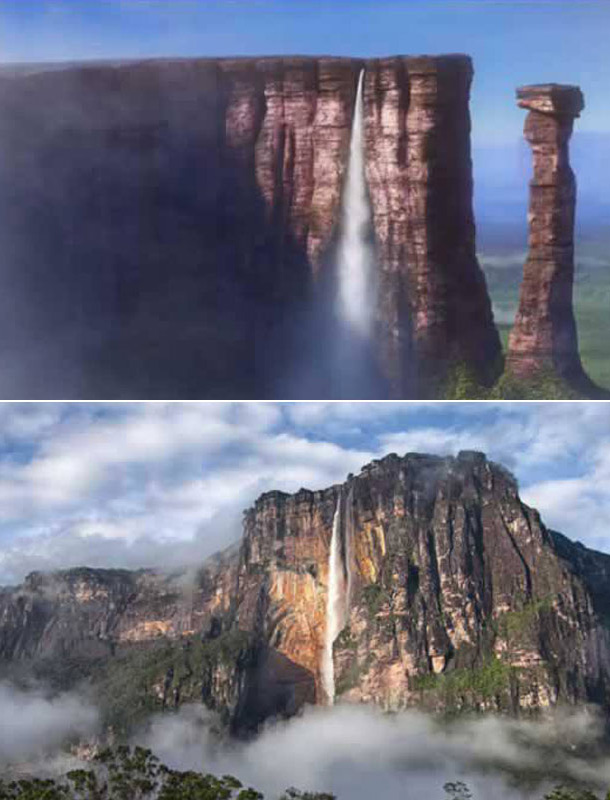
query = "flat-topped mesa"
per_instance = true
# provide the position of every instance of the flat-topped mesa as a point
(544, 336)
(207, 193)
(450, 591)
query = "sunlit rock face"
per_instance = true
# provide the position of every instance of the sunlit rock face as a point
(169, 228)
(459, 596)
(543, 338)
(95, 610)
(456, 597)
(434, 310)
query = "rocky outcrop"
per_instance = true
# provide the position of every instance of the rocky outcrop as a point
(93, 611)
(543, 338)
(186, 213)
(457, 597)
(434, 309)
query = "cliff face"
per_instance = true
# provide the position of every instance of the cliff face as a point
(458, 593)
(456, 596)
(185, 214)
(56, 614)
(434, 310)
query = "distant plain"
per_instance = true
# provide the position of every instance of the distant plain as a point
(501, 176)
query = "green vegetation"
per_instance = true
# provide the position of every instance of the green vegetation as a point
(350, 677)
(373, 597)
(460, 791)
(461, 384)
(125, 688)
(565, 793)
(545, 386)
(591, 303)
(485, 682)
(129, 774)
(226, 649)
(345, 640)
(516, 624)
(131, 684)
(457, 790)
(136, 774)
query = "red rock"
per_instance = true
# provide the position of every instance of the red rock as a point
(448, 571)
(544, 336)
(186, 211)
(434, 309)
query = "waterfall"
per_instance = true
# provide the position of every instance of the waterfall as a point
(334, 605)
(355, 257)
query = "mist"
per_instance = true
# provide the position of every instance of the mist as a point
(358, 751)
(33, 724)
(353, 751)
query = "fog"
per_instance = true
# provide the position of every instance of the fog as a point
(354, 751)
(33, 724)
(357, 752)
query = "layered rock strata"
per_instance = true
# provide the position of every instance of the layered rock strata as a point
(543, 338)
(186, 211)
(434, 309)
(457, 597)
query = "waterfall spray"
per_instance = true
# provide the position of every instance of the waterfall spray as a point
(334, 605)
(355, 257)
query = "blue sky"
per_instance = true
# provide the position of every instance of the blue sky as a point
(512, 42)
(154, 484)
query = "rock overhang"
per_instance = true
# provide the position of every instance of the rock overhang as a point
(552, 98)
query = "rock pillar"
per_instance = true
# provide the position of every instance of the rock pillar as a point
(543, 337)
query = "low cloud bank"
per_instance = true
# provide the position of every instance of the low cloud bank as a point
(358, 752)
(33, 724)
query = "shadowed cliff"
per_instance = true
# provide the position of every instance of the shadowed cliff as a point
(167, 228)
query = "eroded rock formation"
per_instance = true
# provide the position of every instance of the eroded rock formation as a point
(543, 338)
(458, 597)
(185, 213)
(434, 310)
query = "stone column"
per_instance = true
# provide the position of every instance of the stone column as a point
(543, 337)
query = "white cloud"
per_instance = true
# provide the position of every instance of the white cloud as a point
(139, 484)
(434, 440)
(122, 487)
(32, 723)
(578, 506)
(360, 752)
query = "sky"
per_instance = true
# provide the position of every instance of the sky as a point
(165, 484)
(511, 41)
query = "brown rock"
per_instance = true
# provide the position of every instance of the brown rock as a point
(544, 336)
(434, 310)
(459, 597)
(190, 209)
